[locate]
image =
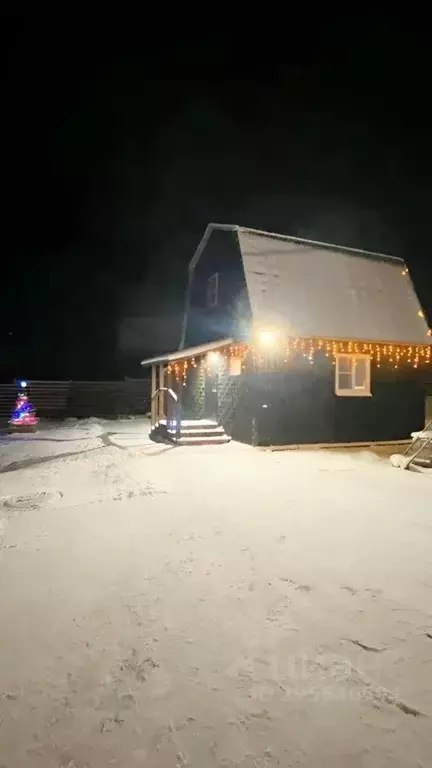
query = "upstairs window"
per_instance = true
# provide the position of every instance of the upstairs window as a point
(353, 375)
(212, 291)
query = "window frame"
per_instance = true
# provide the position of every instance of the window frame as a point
(212, 291)
(353, 391)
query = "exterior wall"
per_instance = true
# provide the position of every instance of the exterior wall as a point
(193, 393)
(299, 405)
(302, 407)
(233, 396)
(428, 409)
(221, 255)
(229, 391)
(428, 402)
(244, 422)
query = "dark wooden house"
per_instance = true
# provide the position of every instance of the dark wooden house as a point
(287, 341)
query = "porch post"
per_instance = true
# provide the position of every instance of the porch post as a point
(169, 380)
(153, 399)
(169, 403)
(161, 398)
(179, 410)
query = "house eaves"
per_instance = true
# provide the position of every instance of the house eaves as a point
(183, 354)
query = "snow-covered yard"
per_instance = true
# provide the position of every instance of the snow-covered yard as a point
(218, 606)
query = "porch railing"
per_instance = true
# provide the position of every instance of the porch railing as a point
(166, 405)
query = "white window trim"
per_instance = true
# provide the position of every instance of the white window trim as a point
(354, 391)
(214, 292)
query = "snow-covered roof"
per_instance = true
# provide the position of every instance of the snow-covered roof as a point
(315, 289)
(183, 354)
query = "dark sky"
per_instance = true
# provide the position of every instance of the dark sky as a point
(125, 137)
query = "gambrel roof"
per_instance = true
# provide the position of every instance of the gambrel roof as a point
(314, 289)
(318, 289)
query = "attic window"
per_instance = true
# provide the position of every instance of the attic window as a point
(212, 290)
(353, 375)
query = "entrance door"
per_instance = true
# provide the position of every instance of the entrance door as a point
(211, 387)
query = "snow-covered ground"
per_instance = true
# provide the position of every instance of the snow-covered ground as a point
(217, 606)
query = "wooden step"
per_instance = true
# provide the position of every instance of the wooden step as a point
(196, 424)
(201, 440)
(192, 432)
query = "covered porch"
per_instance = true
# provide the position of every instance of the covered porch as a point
(184, 408)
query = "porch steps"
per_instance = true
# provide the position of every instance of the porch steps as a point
(207, 440)
(193, 432)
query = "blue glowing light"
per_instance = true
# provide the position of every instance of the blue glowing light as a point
(23, 384)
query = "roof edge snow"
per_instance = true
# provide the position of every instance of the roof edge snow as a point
(319, 244)
(290, 238)
(182, 354)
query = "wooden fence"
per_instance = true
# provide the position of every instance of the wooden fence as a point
(62, 399)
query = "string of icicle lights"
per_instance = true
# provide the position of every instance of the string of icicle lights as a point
(390, 355)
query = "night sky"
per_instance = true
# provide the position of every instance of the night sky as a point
(123, 138)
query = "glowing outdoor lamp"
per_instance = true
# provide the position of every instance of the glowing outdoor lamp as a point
(267, 337)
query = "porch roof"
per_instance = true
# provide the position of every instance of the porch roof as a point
(182, 354)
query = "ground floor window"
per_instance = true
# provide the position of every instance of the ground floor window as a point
(353, 375)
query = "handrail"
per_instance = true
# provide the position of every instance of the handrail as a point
(175, 418)
(165, 389)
